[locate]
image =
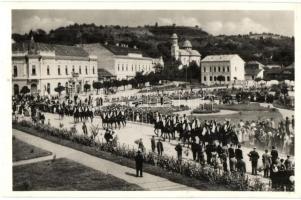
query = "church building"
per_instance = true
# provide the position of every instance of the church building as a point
(186, 54)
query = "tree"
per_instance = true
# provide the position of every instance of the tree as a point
(25, 90)
(59, 89)
(97, 85)
(87, 87)
(220, 78)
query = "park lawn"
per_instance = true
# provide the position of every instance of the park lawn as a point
(243, 107)
(245, 116)
(65, 175)
(24, 151)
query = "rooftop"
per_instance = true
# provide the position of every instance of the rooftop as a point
(227, 57)
(59, 50)
(187, 44)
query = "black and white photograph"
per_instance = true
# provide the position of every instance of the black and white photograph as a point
(152, 100)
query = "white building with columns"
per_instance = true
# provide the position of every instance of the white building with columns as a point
(186, 55)
(231, 67)
(42, 67)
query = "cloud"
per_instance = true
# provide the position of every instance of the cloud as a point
(45, 23)
(244, 26)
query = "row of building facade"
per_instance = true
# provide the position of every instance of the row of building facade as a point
(43, 67)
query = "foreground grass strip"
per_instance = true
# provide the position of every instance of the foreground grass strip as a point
(65, 175)
(24, 151)
(174, 177)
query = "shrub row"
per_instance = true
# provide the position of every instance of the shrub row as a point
(187, 168)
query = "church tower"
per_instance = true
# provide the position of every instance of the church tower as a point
(174, 46)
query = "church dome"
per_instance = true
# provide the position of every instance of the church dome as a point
(174, 36)
(187, 44)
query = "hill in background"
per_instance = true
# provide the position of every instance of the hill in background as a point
(154, 41)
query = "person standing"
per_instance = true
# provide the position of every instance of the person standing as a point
(194, 149)
(254, 156)
(160, 147)
(85, 130)
(266, 161)
(238, 153)
(288, 163)
(139, 163)
(232, 159)
(179, 151)
(274, 154)
(153, 144)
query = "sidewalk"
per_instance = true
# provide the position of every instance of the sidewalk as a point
(148, 182)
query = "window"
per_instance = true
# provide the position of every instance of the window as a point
(210, 69)
(15, 71)
(210, 78)
(235, 69)
(204, 78)
(223, 69)
(215, 78)
(86, 70)
(59, 70)
(93, 70)
(126, 67)
(214, 69)
(219, 69)
(73, 69)
(122, 67)
(132, 68)
(228, 78)
(204, 69)
(48, 70)
(228, 69)
(80, 70)
(118, 68)
(33, 70)
(66, 70)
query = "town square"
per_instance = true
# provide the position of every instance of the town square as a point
(166, 106)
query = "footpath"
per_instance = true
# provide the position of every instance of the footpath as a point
(148, 182)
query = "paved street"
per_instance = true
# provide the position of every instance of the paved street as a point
(148, 182)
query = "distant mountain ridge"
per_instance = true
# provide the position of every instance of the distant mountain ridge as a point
(154, 41)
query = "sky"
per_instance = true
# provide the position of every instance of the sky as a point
(214, 22)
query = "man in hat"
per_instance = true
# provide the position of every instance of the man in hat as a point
(288, 163)
(254, 160)
(139, 163)
(160, 147)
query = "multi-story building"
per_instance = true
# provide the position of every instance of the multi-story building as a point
(121, 61)
(254, 70)
(42, 67)
(186, 55)
(222, 68)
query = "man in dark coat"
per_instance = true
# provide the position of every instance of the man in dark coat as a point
(160, 147)
(194, 149)
(254, 160)
(241, 167)
(274, 154)
(153, 144)
(179, 150)
(238, 153)
(139, 163)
